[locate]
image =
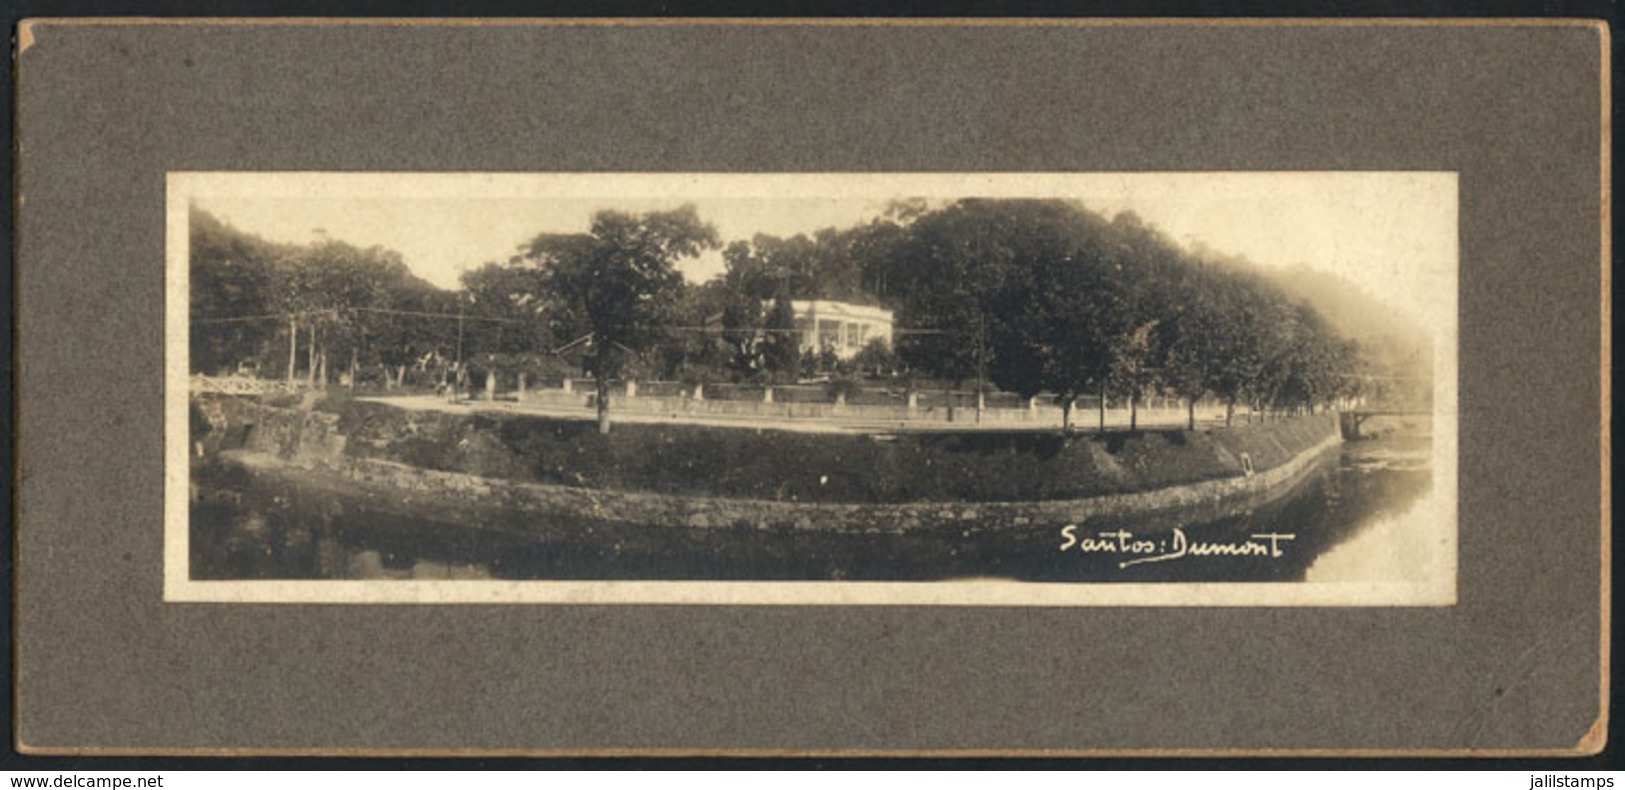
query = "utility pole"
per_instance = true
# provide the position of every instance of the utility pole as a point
(981, 364)
(293, 347)
(459, 334)
(461, 372)
(310, 357)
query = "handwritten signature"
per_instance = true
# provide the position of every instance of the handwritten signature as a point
(1139, 549)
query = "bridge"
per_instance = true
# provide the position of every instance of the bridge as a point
(240, 385)
(1351, 421)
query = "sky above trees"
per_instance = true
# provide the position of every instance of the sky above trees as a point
(1391, 234)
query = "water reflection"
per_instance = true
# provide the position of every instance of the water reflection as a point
(1407, 540)
(1359, 515)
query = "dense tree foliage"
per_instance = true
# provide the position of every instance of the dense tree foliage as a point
(1035, 297)
(231, 300)
(781, 351)
(618, 283)
(303, 310)
(1045, 296)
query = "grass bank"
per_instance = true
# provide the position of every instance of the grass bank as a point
(827, 468)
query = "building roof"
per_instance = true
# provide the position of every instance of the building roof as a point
(830, 309)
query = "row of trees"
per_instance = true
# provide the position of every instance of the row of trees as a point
(1030, 296)
(317, 307)
(1042, 296)
(1048, 297)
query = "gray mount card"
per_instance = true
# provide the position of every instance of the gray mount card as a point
(722, 387)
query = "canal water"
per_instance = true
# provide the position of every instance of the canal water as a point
(1357, 515)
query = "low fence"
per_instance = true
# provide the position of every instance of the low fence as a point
(784, 402)
(875, 404)
(795, 401)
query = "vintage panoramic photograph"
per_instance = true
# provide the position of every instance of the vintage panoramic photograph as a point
(959, 389)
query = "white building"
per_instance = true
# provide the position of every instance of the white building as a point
(845, 327)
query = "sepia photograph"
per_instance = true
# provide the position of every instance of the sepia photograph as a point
(973, 389)
(813, 389)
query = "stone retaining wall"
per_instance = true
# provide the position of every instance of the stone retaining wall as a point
(309, 445)
(304, 447)
(548, 503)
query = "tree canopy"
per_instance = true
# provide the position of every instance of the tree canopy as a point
(249, 294)
(1033, 296)
(618, 283)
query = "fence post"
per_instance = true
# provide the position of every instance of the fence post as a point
(913, 403)
(767, 394)
(631, 388)
(520, 393)
(567, 387)
(490, 385)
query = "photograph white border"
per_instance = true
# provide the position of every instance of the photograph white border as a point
(184, 187)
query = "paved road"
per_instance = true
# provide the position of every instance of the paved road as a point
(1084, 421)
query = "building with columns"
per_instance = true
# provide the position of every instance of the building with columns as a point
(845, 327)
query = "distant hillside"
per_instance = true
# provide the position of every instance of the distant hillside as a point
(1394, 345)
(1350, 309)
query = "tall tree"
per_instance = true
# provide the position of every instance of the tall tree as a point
(741, 319)
(781, 350)
(253, 300)
(619, 282)
(948, 276)
(1145, 267)
(1060, 307)
(1189, 343)
(506, 309)
(231, 274)
(1133, 369)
